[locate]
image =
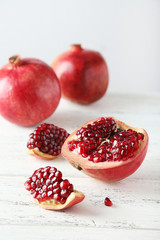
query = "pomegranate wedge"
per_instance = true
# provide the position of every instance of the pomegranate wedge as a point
(46, 141)
(50, 191)
(106, 148)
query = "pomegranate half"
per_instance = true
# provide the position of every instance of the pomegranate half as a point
(83, 74)
(106, 148)
(29, 91)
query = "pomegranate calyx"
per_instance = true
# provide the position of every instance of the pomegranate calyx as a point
(74, 198)
(15, 60)
(76, 47)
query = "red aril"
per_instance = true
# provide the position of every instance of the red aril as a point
(108, 202)
(83, 74)
(29, 91)
(106, 148)
(51, 191)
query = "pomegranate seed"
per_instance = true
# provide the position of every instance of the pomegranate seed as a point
(47, 183)
(108, 202)
(48, 138)
(91, 142)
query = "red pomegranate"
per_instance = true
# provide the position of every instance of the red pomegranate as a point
(83, 74)
(106, 148)
(50, 191)
(29, 91)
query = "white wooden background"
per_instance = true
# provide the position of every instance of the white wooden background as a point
(136, 210)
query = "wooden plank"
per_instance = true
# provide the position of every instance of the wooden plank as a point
(136, 205)
(78, 233)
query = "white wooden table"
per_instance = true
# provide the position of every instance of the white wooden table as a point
(136, 210)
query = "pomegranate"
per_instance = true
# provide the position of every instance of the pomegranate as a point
(106, 148)
(108, 202)
(50, 191)
(46, 141)
(83, 74)
(29, 91)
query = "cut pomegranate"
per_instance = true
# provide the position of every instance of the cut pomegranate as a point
(46, 141)
(50, 191)
(106, 148)
(108, 202)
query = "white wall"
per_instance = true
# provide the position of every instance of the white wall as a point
(127, 33)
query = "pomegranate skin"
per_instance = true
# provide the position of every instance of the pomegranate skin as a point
(107, 171)
(29, 91)
(83, 74)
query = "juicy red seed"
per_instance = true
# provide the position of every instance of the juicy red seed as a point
(70, 188)
(53, 169)
(108, 202)
(56, 185)
(64, 193)
(45, 175)
(48, 138)
(57, 197)
(58, 174)
(62, 200)
(28, 185)
(50, 194)
(56, 190)
(120, 144)
(64, 184)
(47, 183)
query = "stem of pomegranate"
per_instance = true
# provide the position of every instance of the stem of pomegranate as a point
(15, 60)
(76, 47)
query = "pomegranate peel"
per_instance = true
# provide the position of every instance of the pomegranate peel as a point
(37, 153)
(108, 170)
(74, 198)
(51, 191)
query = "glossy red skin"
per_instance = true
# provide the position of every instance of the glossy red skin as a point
(83, 74)
(29, 92)
(119, 172)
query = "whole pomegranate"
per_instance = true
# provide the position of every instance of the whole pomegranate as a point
(106, 148)
(83, 74)
(29, 91)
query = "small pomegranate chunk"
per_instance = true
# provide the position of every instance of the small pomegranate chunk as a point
(106, 148)
(46, 141)
(108, 202)
(50, 190)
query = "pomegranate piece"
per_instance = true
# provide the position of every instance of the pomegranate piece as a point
(108, 202)
(29, 91)
(50, 191)
(106, 148)
(83, 74)
(46, 141)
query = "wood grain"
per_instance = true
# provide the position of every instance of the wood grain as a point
(136, 200)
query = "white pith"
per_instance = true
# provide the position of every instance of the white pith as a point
(36, 152)
(52, 204)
